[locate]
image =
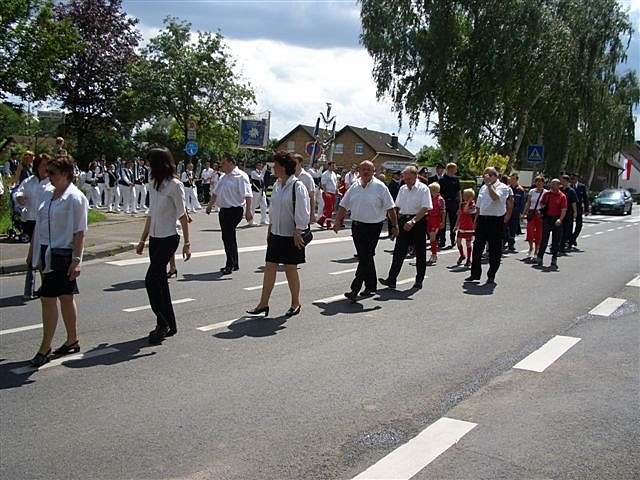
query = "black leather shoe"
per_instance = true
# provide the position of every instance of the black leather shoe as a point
(67, 349)
(472, 278)
(491, 280)
(40, 359)
(226, 271)
(369, 293)
(158, 335)
(258, 311)
(353, 296)
(417, 286)
(236, 268)
(387, 283)
(171, 332)
(293, 311)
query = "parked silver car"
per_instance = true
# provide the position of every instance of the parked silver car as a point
(614, 201)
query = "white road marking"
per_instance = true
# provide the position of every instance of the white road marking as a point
(635, 282)
(215, 326)
(335, 298)
(607, 307)
(628, 226)
(212, 253)
(258, 287)
(61, 360)
(147, 307)
(539, 360)
(620, 228)
(632, 220)
(407, 280)
(585, 236)
(20, 329)
(611, 230)
(340, 272)
(408, 459)
(598, 233)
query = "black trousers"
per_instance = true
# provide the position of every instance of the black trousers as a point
(513, 228)
(365, 239)
(206, 192)
(29, 279)
(417, 237)
(488, 230)
(452, 206)
(156, 282)
(567, 231)
(230, 218)
(578, 227)
(549, 227)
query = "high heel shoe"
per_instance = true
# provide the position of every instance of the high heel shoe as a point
(40, 359)
(173, 273)
(293, 311)
(67, 349)
(258, 311)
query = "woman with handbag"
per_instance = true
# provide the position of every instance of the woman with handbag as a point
(288, 232)
(534, 218)
(56, 249)
(167, 199)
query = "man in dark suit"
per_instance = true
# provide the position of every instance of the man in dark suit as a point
(582, 204)
(395, 184)
(439, 174)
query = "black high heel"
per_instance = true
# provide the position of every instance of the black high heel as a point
(67, 349)
(258, 311)
(293, 311)
(40, 359)
(172, 273)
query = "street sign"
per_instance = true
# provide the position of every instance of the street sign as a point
(535, 153)
(191, 134)
(53, 115)
(309, 148)
(192, 125)
(396, 166)
(191, 148)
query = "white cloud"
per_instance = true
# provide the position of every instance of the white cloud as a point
(295, 82)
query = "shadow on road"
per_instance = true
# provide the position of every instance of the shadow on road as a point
(346, 260)
(11, 380)
(15, 301)
(257, 328)
(126, 351)
(130, 285)
(471, 288)
(343, 306)
(204, 277)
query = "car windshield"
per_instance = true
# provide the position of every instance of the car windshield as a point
(613, 194)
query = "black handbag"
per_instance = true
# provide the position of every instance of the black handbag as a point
(60, 258)
(306, 235)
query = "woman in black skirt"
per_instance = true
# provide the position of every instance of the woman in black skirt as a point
(56, 248)
(284, 238)
(167, 205)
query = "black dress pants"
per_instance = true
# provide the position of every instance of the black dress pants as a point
(488, 230)
(365, 239)
(567, 231)
(549, 228)
(206, 192)
(452, 206)
(578, 227)
(156, 282)
(417, 237)
(230, 218)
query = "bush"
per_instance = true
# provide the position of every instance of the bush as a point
(5, 213)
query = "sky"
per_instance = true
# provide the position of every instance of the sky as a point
(299, 54)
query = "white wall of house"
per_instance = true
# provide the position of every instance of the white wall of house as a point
(633, 182)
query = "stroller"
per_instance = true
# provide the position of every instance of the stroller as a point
(16, 231)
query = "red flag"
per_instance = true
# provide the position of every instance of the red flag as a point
(629, 165)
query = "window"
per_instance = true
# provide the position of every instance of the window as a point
(291, 146)
(359, 148)
(339, 149)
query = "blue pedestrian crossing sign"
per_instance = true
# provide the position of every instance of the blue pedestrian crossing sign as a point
(191, 148)
(535, 153)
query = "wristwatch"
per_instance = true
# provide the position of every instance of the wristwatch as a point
(77, 260)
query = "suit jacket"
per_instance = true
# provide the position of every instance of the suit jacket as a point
(583, 197)
(394, 189)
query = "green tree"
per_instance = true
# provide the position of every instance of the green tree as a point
(33, 47)
(193, 78)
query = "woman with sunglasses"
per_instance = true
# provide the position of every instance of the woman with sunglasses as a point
(56, 249)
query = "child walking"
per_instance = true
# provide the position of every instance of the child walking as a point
(466, 225)
(435, 220)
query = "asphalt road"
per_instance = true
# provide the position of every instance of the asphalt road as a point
(338, 389)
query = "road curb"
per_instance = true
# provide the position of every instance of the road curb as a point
(89, 254)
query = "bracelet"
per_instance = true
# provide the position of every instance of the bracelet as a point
(77, 260)
(187, 244)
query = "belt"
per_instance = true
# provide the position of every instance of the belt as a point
(406, 215)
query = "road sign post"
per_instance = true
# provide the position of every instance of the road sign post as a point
(191, 148)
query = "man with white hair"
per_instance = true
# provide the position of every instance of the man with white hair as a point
(490, 225)
(413, 202)
(369, 202)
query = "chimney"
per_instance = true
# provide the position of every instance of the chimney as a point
(394, 141)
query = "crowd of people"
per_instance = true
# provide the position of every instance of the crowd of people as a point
(416, 208)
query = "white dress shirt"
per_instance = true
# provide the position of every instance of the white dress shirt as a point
(281, 215)
(350, 178)
(410, 202)
(32, 189)
(329, 181)
(258, 176)
(368, 203)
(167, 205)
(487, 206)
(63, 217)
(308, 182)
(207, 175)
(233, 189)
